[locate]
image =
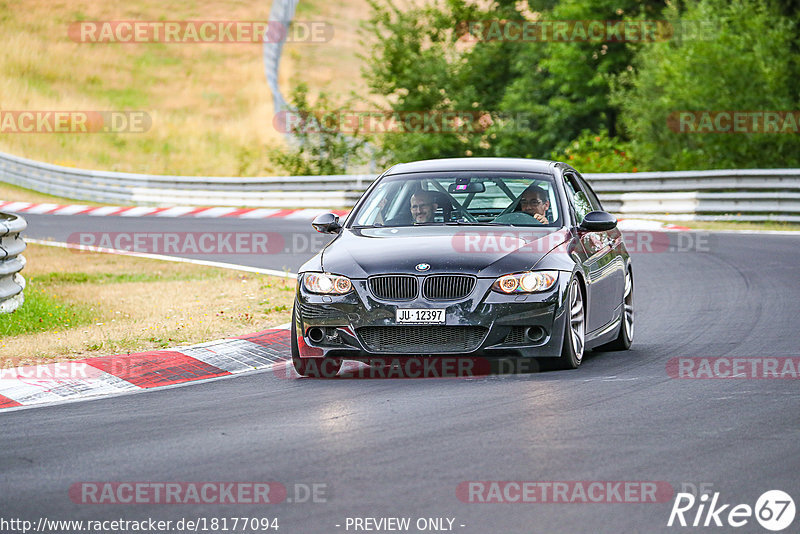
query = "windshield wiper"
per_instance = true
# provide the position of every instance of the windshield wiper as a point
(476, 223)
(435, 223)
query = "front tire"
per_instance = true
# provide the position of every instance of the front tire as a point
(311, 367)
(317, 367)
(574, 330)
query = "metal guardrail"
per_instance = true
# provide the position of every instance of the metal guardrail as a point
(12, 261)
(748, 195)
(744, 195)
(142, 189)
(281, 11)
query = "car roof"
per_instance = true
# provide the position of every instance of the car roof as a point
(474, 164)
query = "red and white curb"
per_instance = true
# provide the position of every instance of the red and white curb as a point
(113, 375)
(175, 211)
(234, 213)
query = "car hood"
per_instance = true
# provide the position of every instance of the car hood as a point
(483, 251)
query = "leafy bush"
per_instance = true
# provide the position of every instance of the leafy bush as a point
(593, 152)
(317, 148)
(744, 59)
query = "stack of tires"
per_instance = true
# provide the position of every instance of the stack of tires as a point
(12, 261)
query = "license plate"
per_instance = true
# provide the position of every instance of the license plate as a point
(420, 316)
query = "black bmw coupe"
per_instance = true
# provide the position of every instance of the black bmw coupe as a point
(471, 257)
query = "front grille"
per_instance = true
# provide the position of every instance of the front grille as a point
(447, 286)
(422, 339)
(320, 311)
(394, 287)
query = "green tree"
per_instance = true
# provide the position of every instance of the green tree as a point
(423, 60)
(318, 145)
(564, 87)
(743, 59)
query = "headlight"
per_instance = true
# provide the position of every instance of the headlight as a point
(327, 284)
(527, 282)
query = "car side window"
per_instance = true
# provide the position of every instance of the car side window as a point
(577, 197)
(590, 194)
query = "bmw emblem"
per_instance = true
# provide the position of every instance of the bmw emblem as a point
(422, 267)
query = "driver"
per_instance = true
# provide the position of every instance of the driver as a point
(423, 206)
(534, 202)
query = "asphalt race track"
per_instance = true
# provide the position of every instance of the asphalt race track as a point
(400, 447)
(296, 240)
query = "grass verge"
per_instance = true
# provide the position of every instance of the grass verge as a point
(81, 305)
(43, 312)
(210, 106)
(207, 99)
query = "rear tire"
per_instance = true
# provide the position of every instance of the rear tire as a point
(312, 367)
(574, 330)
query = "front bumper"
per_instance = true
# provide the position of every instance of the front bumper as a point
(485, 323)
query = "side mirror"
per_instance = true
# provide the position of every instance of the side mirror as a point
(327, 223)
(598, 221)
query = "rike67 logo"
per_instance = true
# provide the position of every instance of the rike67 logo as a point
(774, 510)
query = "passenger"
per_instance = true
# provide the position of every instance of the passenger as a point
(534, 202)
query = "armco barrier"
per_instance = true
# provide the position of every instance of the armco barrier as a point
(753, 194)
(143, 189)
(281, 11)
(745, 195)
(11, 262)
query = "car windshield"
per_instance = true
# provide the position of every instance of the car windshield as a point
(469, 198)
